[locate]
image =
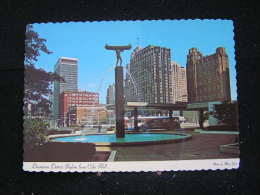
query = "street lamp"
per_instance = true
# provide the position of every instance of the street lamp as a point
(102, 111)
(70, 118)
(98, 121)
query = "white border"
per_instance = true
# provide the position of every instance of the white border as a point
(132, 166)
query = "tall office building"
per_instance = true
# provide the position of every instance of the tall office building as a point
(179, 83)
(67, 68)
(208, 76)
(149, 77)
(111, 94)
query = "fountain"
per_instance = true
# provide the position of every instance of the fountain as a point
(134, 84)
(132, 139)
(122, 139)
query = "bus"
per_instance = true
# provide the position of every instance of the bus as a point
(154, 122)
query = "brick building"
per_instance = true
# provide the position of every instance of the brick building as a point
(208, 76)
(88, 115)
(77, 98)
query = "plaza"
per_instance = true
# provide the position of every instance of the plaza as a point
(203, 145)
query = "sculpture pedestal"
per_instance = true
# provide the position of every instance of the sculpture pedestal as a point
(119, 102)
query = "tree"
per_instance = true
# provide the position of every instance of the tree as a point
(34, 133)
(37, 82)
(203, 116)
(33, 46)
(227, 113)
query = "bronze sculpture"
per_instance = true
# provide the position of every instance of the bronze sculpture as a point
(119, 90)
(118, 50)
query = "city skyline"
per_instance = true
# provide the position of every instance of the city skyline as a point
(96, 64)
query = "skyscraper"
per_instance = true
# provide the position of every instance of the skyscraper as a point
(208, 76)
(179, 83)
(67, 68)
(148, 78)
(111, 94)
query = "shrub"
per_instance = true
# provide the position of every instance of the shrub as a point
(35, 133)
(227, 113)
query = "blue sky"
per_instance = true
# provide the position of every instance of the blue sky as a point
(86, 40)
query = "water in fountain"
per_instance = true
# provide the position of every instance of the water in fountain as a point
(134, 84)
(104, 76)
(110, 69)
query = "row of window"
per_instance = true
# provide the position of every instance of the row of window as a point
(82, 95)
(83, 99)
(83, 102)
(79, 97)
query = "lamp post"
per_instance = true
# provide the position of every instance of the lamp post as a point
(98, 117)
(99, 127)
(70, 119)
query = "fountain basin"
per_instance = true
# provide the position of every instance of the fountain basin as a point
(129, 139)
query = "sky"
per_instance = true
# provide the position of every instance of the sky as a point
(86, 41)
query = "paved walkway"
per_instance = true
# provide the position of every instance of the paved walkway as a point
(201, 146)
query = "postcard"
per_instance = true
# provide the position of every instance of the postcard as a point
(111, 96)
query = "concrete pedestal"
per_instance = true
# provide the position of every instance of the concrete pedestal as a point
(119, 102)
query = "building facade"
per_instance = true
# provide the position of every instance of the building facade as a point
(208, 76)
(76, 98)
(148, 77)
(88, 115)
(110, 98)
(179, 83)
(67, 68)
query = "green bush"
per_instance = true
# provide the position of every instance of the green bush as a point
(34, 133)
(227, 113)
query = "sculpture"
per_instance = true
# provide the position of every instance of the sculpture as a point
(119, 89)
(118, 50)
